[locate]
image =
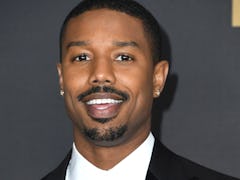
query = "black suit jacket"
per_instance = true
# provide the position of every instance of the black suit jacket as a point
(164, 165)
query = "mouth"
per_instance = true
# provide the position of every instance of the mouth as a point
(103, 107)
(103, 103)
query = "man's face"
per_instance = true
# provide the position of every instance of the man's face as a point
(108, 77)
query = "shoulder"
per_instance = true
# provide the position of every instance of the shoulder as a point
(172, 166)
(60, 172)
(196, 171)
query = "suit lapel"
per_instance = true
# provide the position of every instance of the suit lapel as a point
(60, 172)
(159, 164)
(150, 176)
(163, 165)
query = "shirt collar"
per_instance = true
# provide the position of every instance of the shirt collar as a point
(134, 166)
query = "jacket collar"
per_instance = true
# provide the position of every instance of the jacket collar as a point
(60, 172)
(164, 164)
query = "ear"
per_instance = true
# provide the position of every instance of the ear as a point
(59, 69)
(159, 77)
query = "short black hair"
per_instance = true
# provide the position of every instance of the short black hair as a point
(130, 7)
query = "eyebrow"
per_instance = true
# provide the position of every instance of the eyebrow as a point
(126, 44)
(115, 43)
(77, 43)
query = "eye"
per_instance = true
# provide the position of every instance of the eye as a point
(124, 57)
(81, 57)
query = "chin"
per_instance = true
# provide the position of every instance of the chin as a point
(106, 137)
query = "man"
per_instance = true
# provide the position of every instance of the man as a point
(109, 73)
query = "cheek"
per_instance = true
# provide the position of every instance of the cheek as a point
(74, 80)
(139, 83)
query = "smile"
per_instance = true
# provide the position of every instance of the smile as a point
(103, 107)
(103, 101)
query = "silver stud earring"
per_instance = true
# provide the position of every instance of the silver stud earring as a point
(61, 92)
(157, 93)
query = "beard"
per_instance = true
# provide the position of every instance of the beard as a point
(106, 135)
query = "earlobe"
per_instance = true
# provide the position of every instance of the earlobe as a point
(159, 77)
(59, 69)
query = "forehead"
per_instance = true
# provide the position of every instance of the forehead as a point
(105, 24)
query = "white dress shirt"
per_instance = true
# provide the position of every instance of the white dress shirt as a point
(134, 166)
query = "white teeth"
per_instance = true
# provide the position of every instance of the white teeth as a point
(103, 101)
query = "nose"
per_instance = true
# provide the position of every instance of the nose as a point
(102, 73)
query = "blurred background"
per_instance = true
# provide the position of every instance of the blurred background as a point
(197, 117)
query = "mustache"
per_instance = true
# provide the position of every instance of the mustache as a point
(106, 89)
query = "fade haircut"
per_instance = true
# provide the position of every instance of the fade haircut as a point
(129, 7)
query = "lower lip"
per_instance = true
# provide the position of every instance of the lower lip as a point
(99, 111)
